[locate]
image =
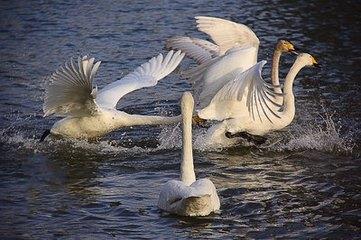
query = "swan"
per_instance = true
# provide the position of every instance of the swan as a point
(188, 196)
(247, 104)
(236, 48)
(90, 113)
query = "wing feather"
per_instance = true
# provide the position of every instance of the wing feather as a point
(227, 34)
(197, 49)
(69, 91)
(146, 75)
(248, 89)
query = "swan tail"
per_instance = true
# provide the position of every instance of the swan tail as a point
(197, 205)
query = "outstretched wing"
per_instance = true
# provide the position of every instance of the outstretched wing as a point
(197, 49)
(248, 91)
(146, 75)
(222, 71)
(227, 34)
(70, 89)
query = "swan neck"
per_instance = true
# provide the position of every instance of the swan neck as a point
(135, 120)
(187, 169)
(275, 67)
(289, 99)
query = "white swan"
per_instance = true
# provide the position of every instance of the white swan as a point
(90, 113)
(247, 103)
(188, 197)
(236, 48)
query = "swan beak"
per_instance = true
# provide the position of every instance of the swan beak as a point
(197, 120)
(315, 63)
(293, 50)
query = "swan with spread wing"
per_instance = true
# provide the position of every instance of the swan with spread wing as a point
(235, 47)
(90, 113)
(247, 104)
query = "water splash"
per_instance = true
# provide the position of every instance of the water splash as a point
(170, 137)
(325, 136)
(15, 136)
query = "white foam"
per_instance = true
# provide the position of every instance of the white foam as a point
(325, 136)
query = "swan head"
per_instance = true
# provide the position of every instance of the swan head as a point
(187, 103)
(308, 59)
(285, 46)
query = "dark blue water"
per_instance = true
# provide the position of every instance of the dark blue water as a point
(304, 183)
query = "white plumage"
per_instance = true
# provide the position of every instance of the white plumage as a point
(247, 94)
(214, 80)
(207, 82)
(227, 34)
(247, 103)
(90, 113)
(188, 197)
(236, 46)
(198, 49)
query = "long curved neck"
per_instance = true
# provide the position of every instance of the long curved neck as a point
(188, 175)
(275, 75)
(289, 99)
(275, 67)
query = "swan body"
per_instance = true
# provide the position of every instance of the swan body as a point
(188, 196)
(236, 48)
(90, 113)
(247, 103)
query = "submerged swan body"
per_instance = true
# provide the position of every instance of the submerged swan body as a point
(236, 48)
(90, 113)
(188, 197)
(247, 103)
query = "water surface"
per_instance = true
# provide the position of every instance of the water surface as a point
(304, 183)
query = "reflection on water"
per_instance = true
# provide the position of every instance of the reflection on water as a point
(304, 183)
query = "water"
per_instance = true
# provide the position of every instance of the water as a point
(303, 183)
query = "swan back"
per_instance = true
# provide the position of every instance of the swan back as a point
(198, 199)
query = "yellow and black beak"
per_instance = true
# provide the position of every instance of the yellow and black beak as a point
(315, 63)
(291, 47)
(294, 51)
